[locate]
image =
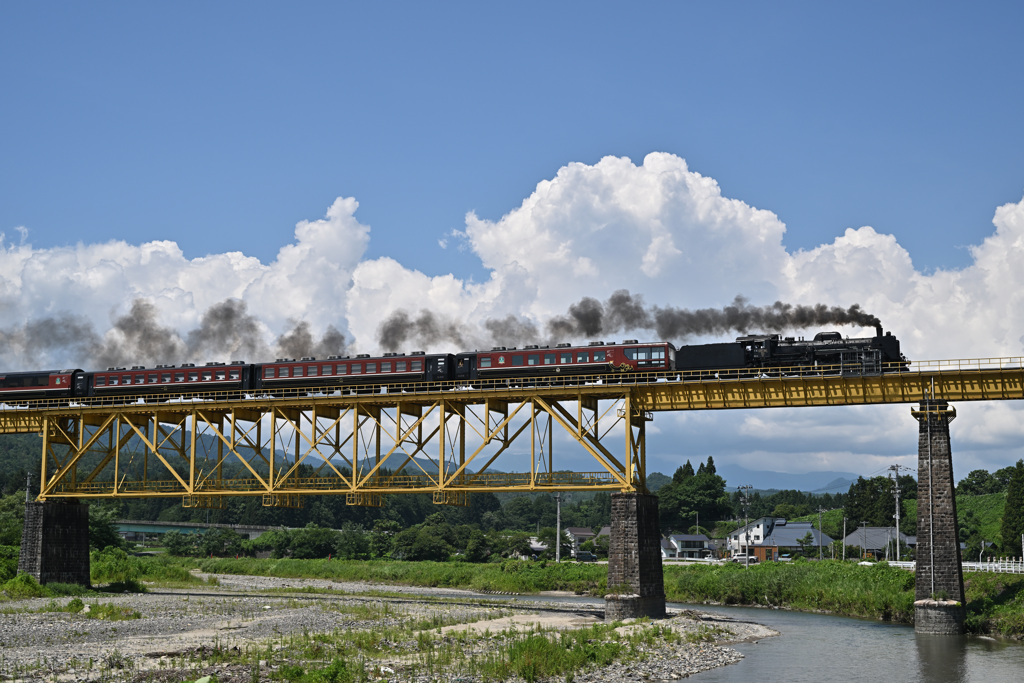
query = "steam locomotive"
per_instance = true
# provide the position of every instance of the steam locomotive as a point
(748, 356)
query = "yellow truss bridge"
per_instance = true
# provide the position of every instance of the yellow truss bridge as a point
(442, 439)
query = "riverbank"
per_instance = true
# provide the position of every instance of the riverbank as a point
(245, 628)
(995, 602)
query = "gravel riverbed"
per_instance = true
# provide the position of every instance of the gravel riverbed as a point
(186, 634)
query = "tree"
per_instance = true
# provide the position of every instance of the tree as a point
(220, 543)
(872, 501)
(1013, 513)
(103, 527)
(353, 543)
(686, 497)
(12, 518)
(179, 544)
(382, 538)
(313, 542)
(478, 549)
(978, 483)
(806, 543)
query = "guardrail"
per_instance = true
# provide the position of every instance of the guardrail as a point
(1010, 566)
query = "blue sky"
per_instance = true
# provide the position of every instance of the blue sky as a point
(219, 127)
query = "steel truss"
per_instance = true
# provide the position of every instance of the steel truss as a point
(449, 444)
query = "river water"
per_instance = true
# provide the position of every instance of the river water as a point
(815, 648)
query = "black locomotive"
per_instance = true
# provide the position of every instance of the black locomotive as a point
(748, 356)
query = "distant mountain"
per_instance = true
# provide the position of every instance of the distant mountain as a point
(809, 482)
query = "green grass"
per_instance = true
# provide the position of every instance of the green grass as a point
(995, 603)
(876, 592)
(507, 577)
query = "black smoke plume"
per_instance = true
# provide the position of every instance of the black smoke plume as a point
(226, 331)
(427, 329)
(624, 312)
(589, 318)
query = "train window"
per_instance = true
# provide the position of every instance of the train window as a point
(484, 361)
(566, 358)
(326, 370)
(385, 366)
(268, 373)
(582, 357)
(193, 377)
(401, 366)
(179, 377)
(297, 372)
(101, 381)
(310, 371)
(234, 374)
(220, 374)
(517, 360)
(533, 359)
(151, 379)
(599, 356)
(371, 367)
(357, 368)
(114, 380)
(658, 353)
(282, 372)
(126, 379)
(549, 359)
(638, 354)
(207, 375)
(165, 378)
(416, 365)
(342, 368)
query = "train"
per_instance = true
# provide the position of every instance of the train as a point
(747, 356)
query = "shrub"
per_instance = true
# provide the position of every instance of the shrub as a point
(23, 586)
(113, 565)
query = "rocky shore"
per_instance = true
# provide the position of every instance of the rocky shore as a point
(185, 635)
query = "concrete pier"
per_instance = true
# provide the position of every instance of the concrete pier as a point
(939, 579)
(635, 581)
(55, 542)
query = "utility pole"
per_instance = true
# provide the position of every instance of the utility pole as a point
(844, 539)
(745, 502)
(864, 540)
(895, 476)
(558, 527)
(820, 510)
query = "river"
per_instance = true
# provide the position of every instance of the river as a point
(814, 648)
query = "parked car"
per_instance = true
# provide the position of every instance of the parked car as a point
(585, 556)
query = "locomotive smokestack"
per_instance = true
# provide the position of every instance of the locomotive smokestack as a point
(878, 329)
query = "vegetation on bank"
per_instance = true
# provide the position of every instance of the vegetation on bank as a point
(995, 602)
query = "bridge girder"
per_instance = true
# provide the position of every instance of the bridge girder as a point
(448, 444)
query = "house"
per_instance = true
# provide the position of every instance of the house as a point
(686, 546)
(770, 538)
(878, 541)
(579, 536)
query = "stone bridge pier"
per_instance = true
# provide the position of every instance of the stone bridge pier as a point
(55, 542)
(636, 586)
(939, 579)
